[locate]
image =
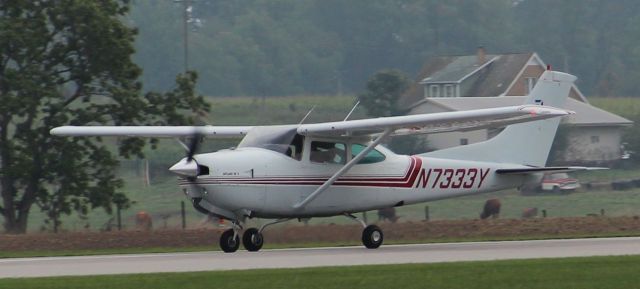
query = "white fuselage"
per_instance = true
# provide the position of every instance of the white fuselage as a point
(258, 182)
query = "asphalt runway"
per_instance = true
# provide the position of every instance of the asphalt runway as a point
(314, 257)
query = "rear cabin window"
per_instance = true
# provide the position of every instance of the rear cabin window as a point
(328, 152)
(373, 156)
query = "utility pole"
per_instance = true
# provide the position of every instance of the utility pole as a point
(186, 15)
(185, 32)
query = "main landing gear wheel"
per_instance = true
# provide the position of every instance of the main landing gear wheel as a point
(252, 240)
(229, 241)
(372, 237)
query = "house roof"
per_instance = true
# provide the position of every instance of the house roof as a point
(494, 79)
(586, 114)
(458, 69)
(500, 75)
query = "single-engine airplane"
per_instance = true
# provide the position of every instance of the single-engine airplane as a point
(285, 172)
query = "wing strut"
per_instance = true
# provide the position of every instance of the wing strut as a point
(343, 170)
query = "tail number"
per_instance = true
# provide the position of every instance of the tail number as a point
(451, 178)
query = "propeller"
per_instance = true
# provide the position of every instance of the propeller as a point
(188, 167)
(197, 136)
(196, 139)
(192, 170)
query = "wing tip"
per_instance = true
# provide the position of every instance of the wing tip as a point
(57, 130)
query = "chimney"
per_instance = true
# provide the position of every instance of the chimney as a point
(482, 55)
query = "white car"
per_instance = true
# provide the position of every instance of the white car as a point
(559, 182)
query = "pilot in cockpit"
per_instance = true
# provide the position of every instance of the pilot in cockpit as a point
(326, 152)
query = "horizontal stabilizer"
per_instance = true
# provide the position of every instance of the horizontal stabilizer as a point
(531, 170)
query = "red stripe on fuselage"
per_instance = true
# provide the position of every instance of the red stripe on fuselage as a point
(405, 181)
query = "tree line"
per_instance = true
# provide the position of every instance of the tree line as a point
(289, 47)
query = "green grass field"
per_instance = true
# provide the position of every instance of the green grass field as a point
(281, 110)
(628, 107)
(593, 272)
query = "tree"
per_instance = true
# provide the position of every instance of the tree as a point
(380, 99)
(383, 91)
(69, 62)
(631, 140)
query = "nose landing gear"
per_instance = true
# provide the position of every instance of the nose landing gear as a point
(230, 239)
(252, 238)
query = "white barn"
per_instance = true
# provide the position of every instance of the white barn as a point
(453, 83)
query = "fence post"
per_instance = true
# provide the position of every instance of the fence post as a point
(426, 213)
(544, 213)
(119, 217)
(183, 214)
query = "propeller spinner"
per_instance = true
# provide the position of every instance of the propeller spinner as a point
(185, 168)
(188, 167)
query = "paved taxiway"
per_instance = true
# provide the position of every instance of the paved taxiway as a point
(297, 258)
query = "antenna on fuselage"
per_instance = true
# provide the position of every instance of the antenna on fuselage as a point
(351, 111)
(307, 115)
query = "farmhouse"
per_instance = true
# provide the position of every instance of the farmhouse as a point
(453, 83)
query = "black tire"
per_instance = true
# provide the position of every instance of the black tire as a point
(228, 243)
(372, 237)
(556, 190)
(252, 240)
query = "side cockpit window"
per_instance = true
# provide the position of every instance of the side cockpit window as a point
(328, 152)
(373, 156)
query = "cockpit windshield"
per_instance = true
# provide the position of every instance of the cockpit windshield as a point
(282, 139)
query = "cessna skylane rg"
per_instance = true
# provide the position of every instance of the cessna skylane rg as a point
(285, 172)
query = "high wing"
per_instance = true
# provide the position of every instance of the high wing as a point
(153, 131)
(435, 122)
(399, 125)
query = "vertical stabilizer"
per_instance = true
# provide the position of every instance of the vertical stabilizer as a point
(525, 143)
